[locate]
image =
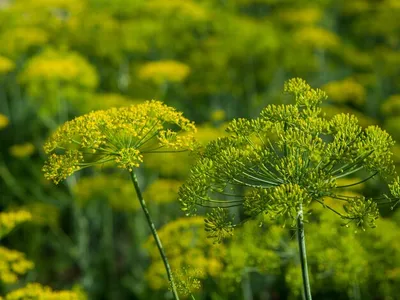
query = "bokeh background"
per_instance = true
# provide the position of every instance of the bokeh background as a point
(214, 60)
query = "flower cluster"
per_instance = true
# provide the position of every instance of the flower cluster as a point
(9, 220)
(289, 157)
(164, 71)
(121, 135)
(36, 291)
(13, 264)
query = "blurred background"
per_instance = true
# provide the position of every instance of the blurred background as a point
(215, 60)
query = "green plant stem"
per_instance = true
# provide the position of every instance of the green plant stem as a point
(303, 254)
(155, 235)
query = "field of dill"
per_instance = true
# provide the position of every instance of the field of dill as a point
(199, 149)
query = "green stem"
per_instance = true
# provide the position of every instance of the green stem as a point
(303, 254)
(155, 235)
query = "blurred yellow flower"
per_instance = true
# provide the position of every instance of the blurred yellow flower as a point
(3, 121)
(15, 41)
(218, 115)
(178, 8)
(346, 90)
(162, 191)
(6, 65)
(61, 66)
(22, 150)
(300, 16)
(36, 291)
(9, 220)
(187, 248)
(12, 264)
(316, 37)
(164, 71)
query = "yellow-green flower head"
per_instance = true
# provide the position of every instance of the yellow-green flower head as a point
(114, 189)
(346, 90)
(287, 158)
(6, 65)
(181, 8)
(22, 150)
(162, 191)
(164, 71)
(316, 37)
(9, 220)
(12, 265)
(300, 16)
(3, 121)
(64, 67)
(36, 291)
(121, 135)
(218, 115)
(18, 40)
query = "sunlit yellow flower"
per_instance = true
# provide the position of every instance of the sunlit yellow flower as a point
(346, 90)
(3, 121)
(121, 135)
(164, 70)
(61, 66)
(22, 150)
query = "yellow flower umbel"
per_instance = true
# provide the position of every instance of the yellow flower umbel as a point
(36, 291)
(22, 150)
(9, 220)
(164, 71)
(12, 265)
(3, 121)
(121, 135)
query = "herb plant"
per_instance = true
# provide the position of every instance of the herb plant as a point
(121, 136)
(286, 159)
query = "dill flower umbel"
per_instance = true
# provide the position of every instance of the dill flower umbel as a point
(9, 220)
(164, 71)
(22, 150)
(12, 265)
(121, 135)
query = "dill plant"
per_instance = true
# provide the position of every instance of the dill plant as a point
(121, 136)
(286, 159)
